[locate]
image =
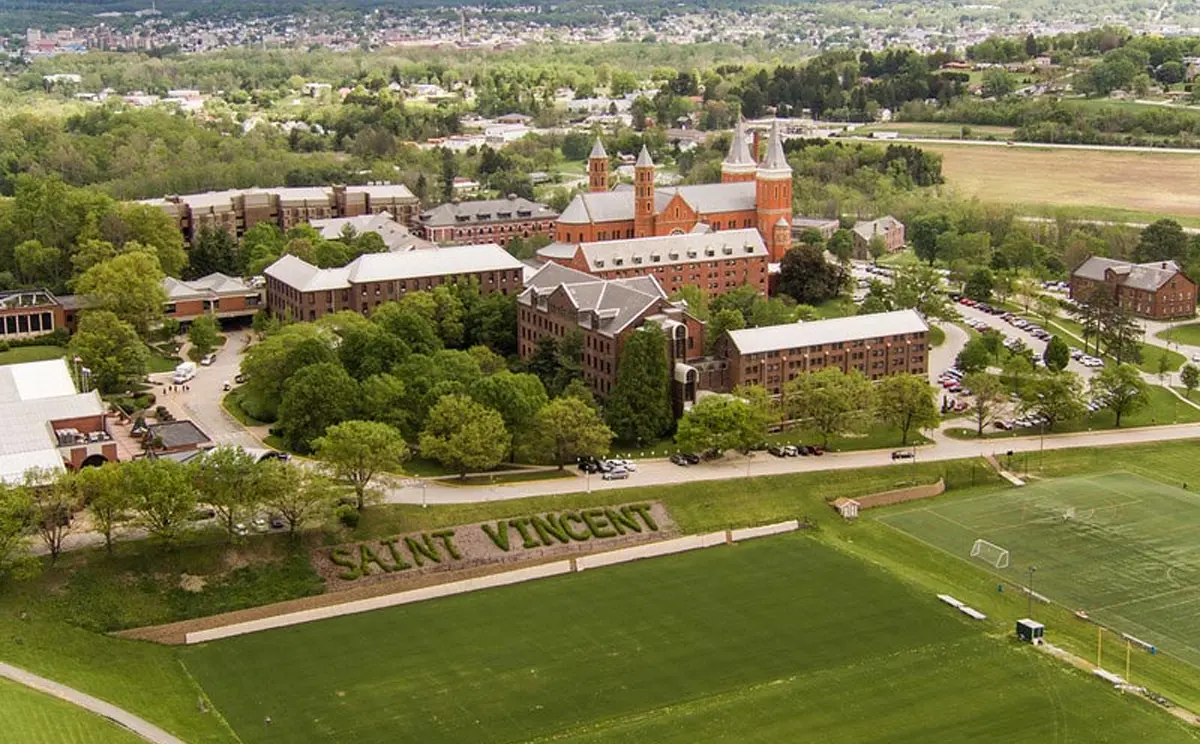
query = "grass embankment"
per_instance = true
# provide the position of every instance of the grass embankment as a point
(644, 652)
(23, 354)
(839, 307)
(31, 717)
(937, 336)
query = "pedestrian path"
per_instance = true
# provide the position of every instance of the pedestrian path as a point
(139, 726)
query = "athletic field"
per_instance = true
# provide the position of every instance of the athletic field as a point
(29, 717)
(1122, 547)
(779, 639)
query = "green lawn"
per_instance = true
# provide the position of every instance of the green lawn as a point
(232, 403)
(937, 336)
(1120, 546)
(838, 307)
(645, 652)
(161, 362)
(30, 717)
(22, 354)
(876, 437)
(1188, 334)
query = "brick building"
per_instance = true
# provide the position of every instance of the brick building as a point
(717, 262)
(888, 229)
(877, 345)
(486, 221)
(25, 313)
(750, 195)
(1159, 290)
(216, 294)
(299, 290)
(237, 211)
(559, 299)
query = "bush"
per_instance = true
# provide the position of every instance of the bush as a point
(4, 346)
(348, 516)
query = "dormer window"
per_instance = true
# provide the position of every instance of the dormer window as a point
(691, 254)
(749, 248)
(673, 256)
(599, 263)
(727, 250)
(655, 258)
(710, 252)
(618, 261)
(637, 259)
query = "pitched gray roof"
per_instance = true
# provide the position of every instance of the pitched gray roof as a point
(644, 160)
(853, 328)
(384, 267)
(867, 229)
(485, 211)
(673, 249)
(776, 161)
(1147, 276)
(598, 151)
(394, 235)
(617, 205)
(614, 303)
(212, 286)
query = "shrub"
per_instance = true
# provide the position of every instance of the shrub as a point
(348, 516)
(4, 346)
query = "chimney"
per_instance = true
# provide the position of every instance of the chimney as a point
(754, 146)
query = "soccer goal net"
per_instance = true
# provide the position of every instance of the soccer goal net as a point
(989, 553)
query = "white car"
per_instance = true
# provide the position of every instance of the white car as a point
(629, 465)
(207, 360)
(1196, 358)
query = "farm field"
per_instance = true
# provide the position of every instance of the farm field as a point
(30, 717)
(1119, 546)
(1149, 183)
(758, 642)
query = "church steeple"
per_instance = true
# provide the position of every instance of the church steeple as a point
(598, 168)
(643, 195)
(773, 196)
(738, 165)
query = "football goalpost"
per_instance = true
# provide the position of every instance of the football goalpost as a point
(993, 555)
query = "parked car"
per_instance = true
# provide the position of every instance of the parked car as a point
(692, 458)
(275, 455)
(777, 451)
(903, 455)
(239, 379)
(616, 474)
(680, 460)
(276, 522)
(790, 450)
(207, 360)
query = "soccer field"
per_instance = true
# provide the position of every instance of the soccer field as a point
(781, 639)
(29, 717)
(1120, 546)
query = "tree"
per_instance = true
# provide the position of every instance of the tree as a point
(639, 408)
(129, 286)
(830, 401)
(906, 402)
(111, 349)
(718, 423)
(974, 357)
(1190, 377)
(1121, 389)
(1047, 308)
(204, 333)
(979, 286)
(807, 277)
(1163, 368)
(54, 500)
(568, 427)
(464, 436)
(151, 227)
(411, 324)
(516, 397)
(106, 501)
(923, 233)
(840, 245)
(986, 394)
(1017, 368)
(1057, 354)
(223, 477)
(298, 495)
(1163, 240)
(214, 250)
(160, 494)
(1056, 396)
(270, 364)
(16, 522)
(382, 399)
(356, 451)
(315, 398)
(997, 83)
(728, 319)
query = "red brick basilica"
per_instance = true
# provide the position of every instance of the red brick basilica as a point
(751, 194)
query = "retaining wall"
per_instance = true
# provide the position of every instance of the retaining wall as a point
(900, 495)
(596, 560)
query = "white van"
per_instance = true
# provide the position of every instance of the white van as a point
(184, 372)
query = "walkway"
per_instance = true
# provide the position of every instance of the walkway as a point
(139, 726)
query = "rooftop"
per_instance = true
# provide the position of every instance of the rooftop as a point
(614, 303)
(395, 236)
(383, 267)
(485, 211)
(31, 396)
(617, 205)
(673, 249)
(1147, 276)
(817, 332)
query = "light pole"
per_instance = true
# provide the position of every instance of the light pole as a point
(424, 502)
(1042, 434)
(1029, 612)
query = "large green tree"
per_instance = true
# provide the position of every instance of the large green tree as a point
(161, 496)
(111, 349)
(268, 365)
(224, 478)
(807, 277)
(204, 333)
(1121, 389)
(300, 496)
(1057, 354)
(315, 398)
(830, 401)
(987, 393)
(718, 423)
(464, 436)
(906, 402)
(1056, 396)
(106, 501)
(357, 451)
(16, 524)
(639, 407)
(568, 427)
(129, 286)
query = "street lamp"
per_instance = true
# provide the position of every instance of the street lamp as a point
(1042, 435)
(1032, 570)
(424, 503)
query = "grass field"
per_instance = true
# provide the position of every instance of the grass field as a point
(1127, 555)
(1159, 183)
(1188, 334)
(29, 717)
(778, 640)
(22, 354)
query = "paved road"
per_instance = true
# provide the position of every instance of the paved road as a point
(202, 402)
(139, 726)
(1033, 145)
(1101, 223)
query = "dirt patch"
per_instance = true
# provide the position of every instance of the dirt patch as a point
(190, 583)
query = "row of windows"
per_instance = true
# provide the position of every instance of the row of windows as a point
(12, 325)
(837, 346)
